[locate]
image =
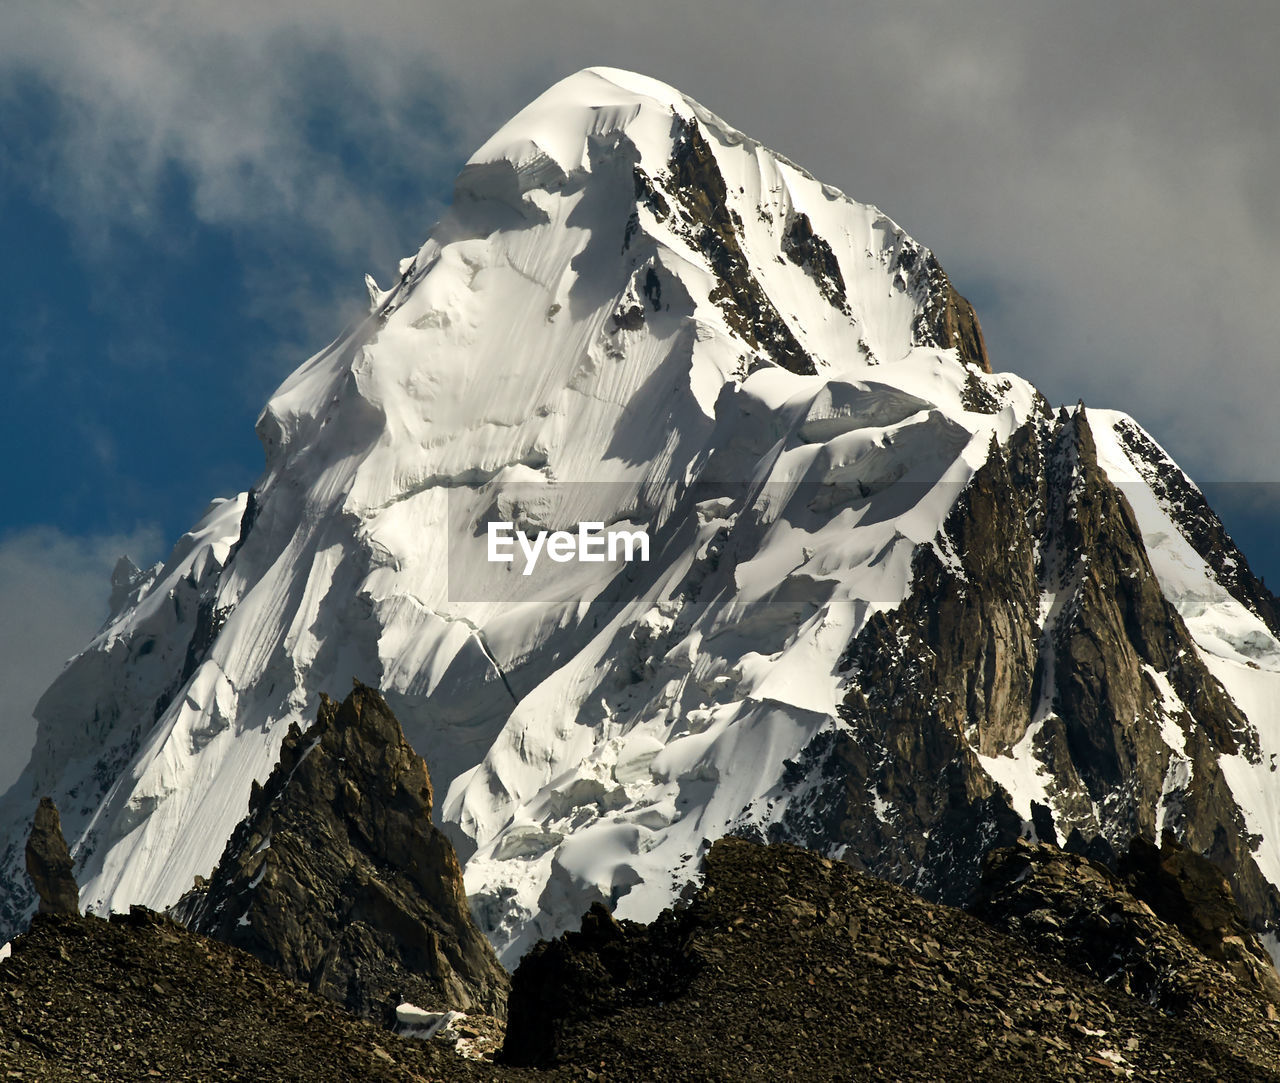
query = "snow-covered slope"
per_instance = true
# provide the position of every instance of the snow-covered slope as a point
(634, 315)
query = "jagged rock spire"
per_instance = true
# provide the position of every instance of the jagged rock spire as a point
(49, 863)
(339, 878)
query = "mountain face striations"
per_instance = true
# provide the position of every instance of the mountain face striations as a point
(896, 608)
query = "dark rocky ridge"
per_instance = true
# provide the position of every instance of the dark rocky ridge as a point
(784, 964)
(1200, 525)
(699, 190)
(49, 863)
(700, 196)
(1079, 912)
(787, 964)
(140, 997)
(338, 878)
(1192, 895)
(969, 665)
(946, 321)
(806, 249)
(949, 321)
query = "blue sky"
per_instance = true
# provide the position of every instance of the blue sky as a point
(190, 197)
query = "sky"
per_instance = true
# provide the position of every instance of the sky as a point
(191, 194)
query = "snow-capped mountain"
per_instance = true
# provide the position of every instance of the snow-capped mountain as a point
(894, 608)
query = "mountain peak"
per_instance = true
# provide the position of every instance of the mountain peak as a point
(887, 605)
(594, 102)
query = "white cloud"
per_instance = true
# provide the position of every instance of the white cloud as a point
(53, 598)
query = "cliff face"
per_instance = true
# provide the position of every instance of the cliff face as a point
(950, 321)
(1037, 678)
(338, 878)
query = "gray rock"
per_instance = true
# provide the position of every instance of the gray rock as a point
(339, 878)
(969, 660)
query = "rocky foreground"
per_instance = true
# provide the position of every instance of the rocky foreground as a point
(140, 997)
(336, 900)
(783, 965)
(789, 965)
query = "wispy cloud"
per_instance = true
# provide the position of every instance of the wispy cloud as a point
(264, 116)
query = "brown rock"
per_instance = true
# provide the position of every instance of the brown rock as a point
(49, 863)
(1077, 911)
(970, 658)
(730, 986)
(1190, 892)
(952, 320)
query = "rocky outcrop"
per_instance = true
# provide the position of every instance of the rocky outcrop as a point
(699, 189)
(141, 998)
(949, 321)
(1079, 912)
(604, 968)
(950, 675)
(1036, 629)
(338, 878)
(782, 965)
(806, 249)
(1191, 894)
(49, 863)
(1114, 632)
(787, 964)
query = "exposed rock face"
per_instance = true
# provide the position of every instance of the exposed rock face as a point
(1078, 911)
(949, 320)
(806, 249)
(49, 863)
(699, 187)
(1191, 894)
(1037, 627)
(785, 963)
(338, 878)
